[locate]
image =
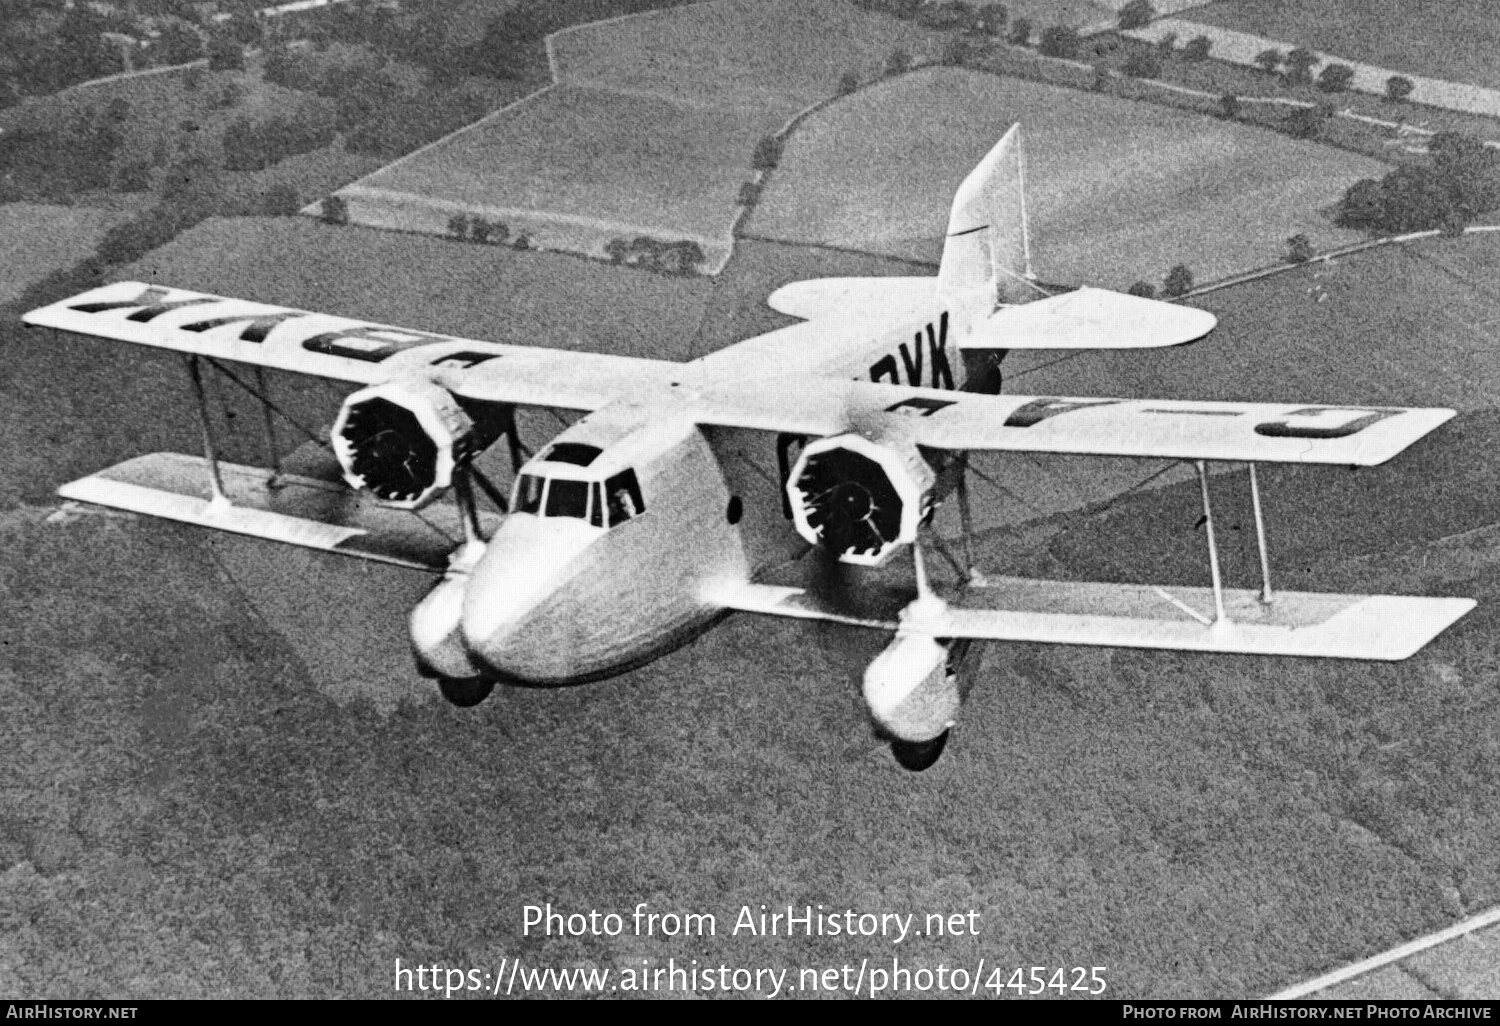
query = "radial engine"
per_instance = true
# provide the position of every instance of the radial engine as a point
(860, 498)
(402, 440)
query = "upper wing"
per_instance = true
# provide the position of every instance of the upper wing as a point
(1166, 428)
(347, 350)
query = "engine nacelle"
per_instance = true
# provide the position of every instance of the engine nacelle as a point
(859, 498)
(911, 688)
(436, 639)
(401, 440)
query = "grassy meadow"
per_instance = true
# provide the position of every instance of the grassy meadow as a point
(1118, 191)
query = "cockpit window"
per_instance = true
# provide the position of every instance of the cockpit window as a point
(614, 501)
(623, 495)
(568, 499)
(576, 453)
(529, 494)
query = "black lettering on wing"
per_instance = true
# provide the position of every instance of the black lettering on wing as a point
(1038, 410)
(369, 342)
(153, 302)
(257, 326)
(1323, 422)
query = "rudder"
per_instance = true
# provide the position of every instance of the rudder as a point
(987, 244)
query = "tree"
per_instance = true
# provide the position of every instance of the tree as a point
(1299, 249)
(276, 64)
(458, 226)
(523, 241)
(1136, 14)
(1229, 106)
(1143, 64)
(1167, 44)
(133, 176)
(1179, 281)
(1270, 60)
(225, 53)
(1471, 170)
(898, 63)
(191, 189)
(944, 16)
(1059, 41)
(1196, 49)
(848, 83)
(749, 194)
(767, 153)
(955, 51)
(682, 258)
(133, 239)
(1414, 198)
(1305, 122)
(177, 43)
(1363, 205)
(1398, 88)
(1020, 32)
(1335, 78)
(280, 200)
(1299, 65)
(991, 19)
(334, 210)
(1144, 289)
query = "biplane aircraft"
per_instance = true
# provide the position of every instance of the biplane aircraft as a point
(640, 525)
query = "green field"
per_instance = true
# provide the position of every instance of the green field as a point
(760, 55)
(224, 779)
(651, 132)
(1118, 191)
(630, 164)
(1456, 39)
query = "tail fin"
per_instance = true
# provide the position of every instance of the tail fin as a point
(987, 246)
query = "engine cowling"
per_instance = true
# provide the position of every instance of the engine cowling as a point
(859, 498)
(402, 440)
(911, 688)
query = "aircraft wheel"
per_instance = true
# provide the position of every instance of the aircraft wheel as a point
(465, 692)
(919, 755)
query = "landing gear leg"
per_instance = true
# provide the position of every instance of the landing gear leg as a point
(919, 755)
(467, 692)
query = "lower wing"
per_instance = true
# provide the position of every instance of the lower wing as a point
(1383, 627)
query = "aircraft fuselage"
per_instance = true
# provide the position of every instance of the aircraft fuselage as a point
(625, 526)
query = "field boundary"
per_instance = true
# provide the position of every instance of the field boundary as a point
(717, 251)
(1241, 48)
(1396, 954)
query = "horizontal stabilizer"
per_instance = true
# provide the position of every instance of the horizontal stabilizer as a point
(879, 299)
(1090, 319)
(284, 508)
(1385, 627)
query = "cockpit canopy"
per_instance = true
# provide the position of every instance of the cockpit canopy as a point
(558, 492)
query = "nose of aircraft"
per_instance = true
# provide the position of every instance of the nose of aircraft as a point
(524, 565)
